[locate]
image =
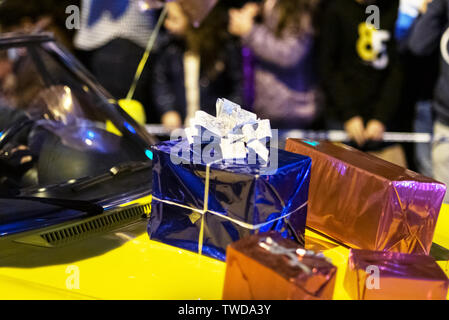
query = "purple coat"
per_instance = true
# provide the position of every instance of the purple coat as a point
(285, 81)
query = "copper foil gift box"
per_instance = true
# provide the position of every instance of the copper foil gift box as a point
(374, 275)
(368, 203)
(267, 267)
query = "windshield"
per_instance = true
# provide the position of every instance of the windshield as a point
(56, 123)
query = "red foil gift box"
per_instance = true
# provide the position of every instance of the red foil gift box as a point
(367, 203)
(266, 266)
(374, 275)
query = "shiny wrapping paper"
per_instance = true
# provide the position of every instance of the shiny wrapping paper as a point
(367, 203)
(254, 272)
(240, 201)
(401, 276)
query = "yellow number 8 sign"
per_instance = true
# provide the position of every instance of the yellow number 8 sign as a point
(365, 47)
(371, 45)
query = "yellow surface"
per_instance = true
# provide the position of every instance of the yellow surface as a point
(442, 230)
(132, 107)
(140, 269)
(140, 201)
(143, 269)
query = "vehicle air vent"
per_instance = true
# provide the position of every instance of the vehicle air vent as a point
(64, 234)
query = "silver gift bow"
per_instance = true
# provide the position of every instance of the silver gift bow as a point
(237, 131)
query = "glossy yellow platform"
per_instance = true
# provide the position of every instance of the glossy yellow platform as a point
(125, 264)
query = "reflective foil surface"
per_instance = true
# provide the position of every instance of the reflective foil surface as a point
(255, 273)
(241, 200)
(367, 203)
(384, 275)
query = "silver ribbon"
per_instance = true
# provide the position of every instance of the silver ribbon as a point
(275, 248)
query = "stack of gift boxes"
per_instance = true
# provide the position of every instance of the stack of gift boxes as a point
(225, 191)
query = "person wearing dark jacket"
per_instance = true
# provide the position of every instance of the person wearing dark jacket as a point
(111, 41)
(430, 32)
(420, 75)
(360, 72)
(197, 66)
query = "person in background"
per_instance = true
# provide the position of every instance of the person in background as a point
(283, 46)
(19, 81)
(37, 16)
(431, 32)
(111, 43)
(198, 65)
(420, 75)
(361, 74)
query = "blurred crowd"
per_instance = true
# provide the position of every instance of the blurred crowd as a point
(363, 66)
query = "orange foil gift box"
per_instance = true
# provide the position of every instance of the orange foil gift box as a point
(367, 203)
(374, 275)
(268, 267)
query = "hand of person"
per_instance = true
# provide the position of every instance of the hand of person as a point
(171, 120)
(356, 130)
(374, 130)
(424, 5)
(251, 9)
(241, 22)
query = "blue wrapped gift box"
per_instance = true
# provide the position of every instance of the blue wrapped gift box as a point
(241, 199)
